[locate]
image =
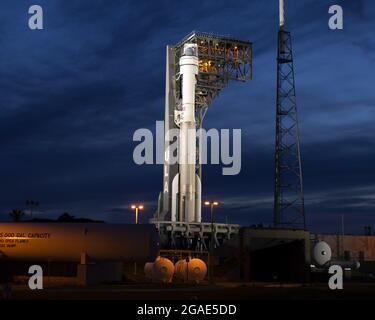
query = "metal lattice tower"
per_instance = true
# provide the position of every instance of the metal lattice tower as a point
(289, 210)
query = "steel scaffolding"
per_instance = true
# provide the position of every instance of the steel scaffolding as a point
(289, 209)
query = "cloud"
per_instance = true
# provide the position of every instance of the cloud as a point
(73, 94)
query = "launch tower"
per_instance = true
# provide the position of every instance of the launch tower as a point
(197, 69)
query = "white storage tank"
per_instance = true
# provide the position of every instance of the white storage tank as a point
(191, 269)
(68, 241)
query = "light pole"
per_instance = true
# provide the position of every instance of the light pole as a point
(136, 207)
(30, 204)
(211, 204)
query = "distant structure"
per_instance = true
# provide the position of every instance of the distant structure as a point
(289, 209)
(198, 68)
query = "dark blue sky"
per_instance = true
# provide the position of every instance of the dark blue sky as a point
(73, 94)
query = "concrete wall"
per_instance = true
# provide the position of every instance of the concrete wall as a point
(348, 247)
(266, 255)
(263, 238)
(88, 274)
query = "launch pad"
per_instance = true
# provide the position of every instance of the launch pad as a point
(197, 69)
(194, 235)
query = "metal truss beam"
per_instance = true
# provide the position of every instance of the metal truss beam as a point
(221, 59)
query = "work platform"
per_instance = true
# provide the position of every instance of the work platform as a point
(175, 234)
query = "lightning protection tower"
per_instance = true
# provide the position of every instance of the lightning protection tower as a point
(289, 210)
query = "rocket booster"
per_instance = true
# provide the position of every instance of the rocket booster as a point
(187, 147)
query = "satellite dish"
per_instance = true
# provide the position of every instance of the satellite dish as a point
(322, 253)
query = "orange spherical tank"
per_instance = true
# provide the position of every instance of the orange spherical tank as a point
(69, 241)
(194, 270)
(162, 270)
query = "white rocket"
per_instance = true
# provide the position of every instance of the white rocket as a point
(186, 186)
(180, 199)
(187, 150)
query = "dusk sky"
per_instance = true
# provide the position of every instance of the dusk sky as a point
(73, 94)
